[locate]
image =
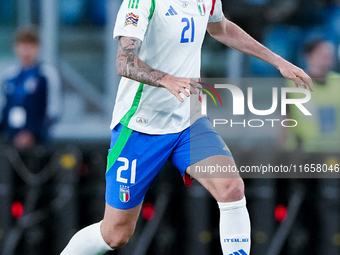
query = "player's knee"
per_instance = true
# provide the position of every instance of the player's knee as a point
(117, 239)
(233, 190)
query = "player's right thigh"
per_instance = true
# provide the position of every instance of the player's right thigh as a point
(119, 224)
(134, 162)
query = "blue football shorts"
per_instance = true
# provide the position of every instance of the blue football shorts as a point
(135, 159)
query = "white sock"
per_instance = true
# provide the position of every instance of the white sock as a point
(87, 241)
(234, 228)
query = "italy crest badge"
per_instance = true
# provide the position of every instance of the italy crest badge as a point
(201, 7)
(124, 193)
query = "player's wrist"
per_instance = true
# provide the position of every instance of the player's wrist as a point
(279, 62)
(163, 82)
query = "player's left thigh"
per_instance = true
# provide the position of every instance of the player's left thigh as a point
(219, 175)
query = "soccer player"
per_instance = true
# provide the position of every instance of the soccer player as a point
(159, 57)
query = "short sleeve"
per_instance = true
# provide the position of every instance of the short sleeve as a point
(133, 19)
(217, 12)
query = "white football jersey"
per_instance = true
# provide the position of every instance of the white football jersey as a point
(172, 32)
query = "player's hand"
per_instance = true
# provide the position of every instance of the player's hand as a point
(194, 85)
(296, 74)
(176, 86)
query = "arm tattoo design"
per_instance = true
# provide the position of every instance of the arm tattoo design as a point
(130, 66)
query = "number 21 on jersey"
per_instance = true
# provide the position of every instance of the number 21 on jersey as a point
(189, 27)
(126, 167)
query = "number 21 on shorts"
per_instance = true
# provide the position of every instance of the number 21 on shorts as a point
(126, 167)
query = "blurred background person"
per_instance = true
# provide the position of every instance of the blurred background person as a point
(321, 131)
(31, 94)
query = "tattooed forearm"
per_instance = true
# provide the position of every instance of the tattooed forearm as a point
(130, 66)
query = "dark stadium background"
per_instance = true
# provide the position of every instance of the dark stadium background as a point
(48, 193)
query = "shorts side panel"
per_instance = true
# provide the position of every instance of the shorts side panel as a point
(114, 153)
